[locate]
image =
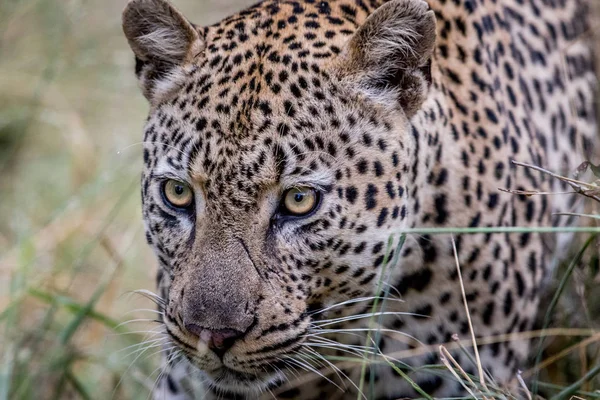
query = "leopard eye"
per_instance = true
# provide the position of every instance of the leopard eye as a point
(300, 201)
(177, 193)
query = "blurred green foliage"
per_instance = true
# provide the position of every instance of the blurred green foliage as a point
(71, 237)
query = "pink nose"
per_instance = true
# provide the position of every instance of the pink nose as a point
(218, 340)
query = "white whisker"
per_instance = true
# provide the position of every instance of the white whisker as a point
(352, 301)
(333, 321)
(136, 320)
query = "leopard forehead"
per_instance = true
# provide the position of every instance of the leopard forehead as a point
(261, 103)
(266, 58)
(256, 134)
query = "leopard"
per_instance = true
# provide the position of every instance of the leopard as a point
(320, 187)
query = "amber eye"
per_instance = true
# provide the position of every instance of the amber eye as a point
(177, 193)
(300, 201)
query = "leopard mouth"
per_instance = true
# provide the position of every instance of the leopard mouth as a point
(258, 370)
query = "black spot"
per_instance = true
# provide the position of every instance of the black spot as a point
(429, 250)
(444, 298)
(289, 108)
(508, 303)
(491, 116)
(431, 384)
(440, 207)
(377, 248)
(418, 280)
(201, 124)
(382, 216)
(359, 249)
(488, 313)
(351, 194)
(295, 90)
(424, 312)
(493, 200)
(171, 385)
(442, 177)
(520, 283)
(391, 191)
(530, 211)
(283, 129)
(532, 263)
(348, 10)
(370, 196)
(367, 140)
(341, 269)
(361, 166)
(378, 168)
(524, 239)
(367, 279)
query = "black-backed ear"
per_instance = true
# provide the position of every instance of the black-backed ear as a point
(163, 41)
(388, 57)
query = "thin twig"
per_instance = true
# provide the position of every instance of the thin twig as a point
(523, 385)
(586, 189)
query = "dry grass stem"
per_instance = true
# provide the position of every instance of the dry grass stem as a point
(464, 295)
(586, 189)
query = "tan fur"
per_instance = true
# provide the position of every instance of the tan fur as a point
(399, 120)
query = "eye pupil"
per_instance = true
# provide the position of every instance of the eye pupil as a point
(179, 190)
(299, 197)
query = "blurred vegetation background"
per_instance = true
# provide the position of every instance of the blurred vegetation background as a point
(72, 246)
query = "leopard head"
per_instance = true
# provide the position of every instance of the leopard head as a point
(277, 160)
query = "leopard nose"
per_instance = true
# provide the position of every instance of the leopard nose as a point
(218, 340)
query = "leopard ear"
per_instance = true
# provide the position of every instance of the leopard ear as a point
(388, 57)
(163, 42)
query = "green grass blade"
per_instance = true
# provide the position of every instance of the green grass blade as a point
(553, 303)
(501, 229)
(572, 389)
(78, 386)
(373, 311)
(383, 302)
(66, 334)
(594, 216)
(581, 393)
(6, 371)
(408, 379)
(72, 306)
(18, 283)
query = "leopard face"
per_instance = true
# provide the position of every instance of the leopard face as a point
(286, 148)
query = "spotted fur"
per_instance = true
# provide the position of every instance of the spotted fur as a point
(403, 115)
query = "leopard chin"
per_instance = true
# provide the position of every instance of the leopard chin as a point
(248, 385)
